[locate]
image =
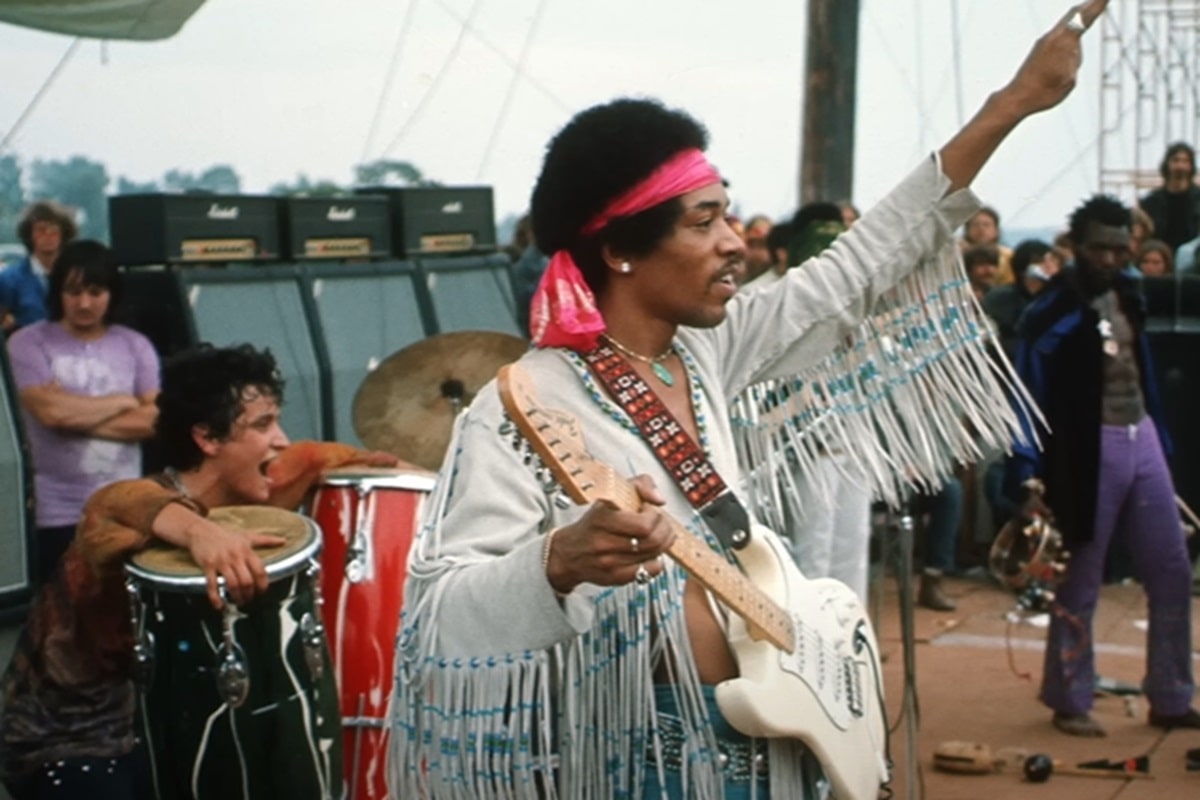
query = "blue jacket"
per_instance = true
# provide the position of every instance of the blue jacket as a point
(1060, 358)
(22, 292)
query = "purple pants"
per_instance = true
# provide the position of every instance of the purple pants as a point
(1136, 500)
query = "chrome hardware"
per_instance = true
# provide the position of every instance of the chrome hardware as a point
(312, 634)
(233, 678)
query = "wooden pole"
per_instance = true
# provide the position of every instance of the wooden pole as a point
(827, 148)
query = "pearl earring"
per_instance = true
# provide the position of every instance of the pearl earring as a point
(626, 267)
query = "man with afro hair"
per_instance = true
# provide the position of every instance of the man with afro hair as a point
(1103, 470)
(547, 649)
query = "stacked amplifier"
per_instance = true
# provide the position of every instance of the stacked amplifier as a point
(372, 224)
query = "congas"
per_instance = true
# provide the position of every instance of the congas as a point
(368, 517)
(239, 703)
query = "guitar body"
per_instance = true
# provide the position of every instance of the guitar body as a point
(828, 693)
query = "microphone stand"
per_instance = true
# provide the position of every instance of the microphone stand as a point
(905, 526)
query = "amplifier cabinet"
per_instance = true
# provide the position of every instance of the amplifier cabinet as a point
(193, 228)
(326, 228)
(439, 220)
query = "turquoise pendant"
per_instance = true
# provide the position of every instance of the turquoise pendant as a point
(662, 373)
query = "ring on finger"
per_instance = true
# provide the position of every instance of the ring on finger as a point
(1076, 23)
(642, 575)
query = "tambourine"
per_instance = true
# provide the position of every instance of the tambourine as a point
(1028, 557)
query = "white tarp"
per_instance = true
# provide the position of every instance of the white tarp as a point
(143, 20)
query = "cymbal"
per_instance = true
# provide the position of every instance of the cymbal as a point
(407, 405)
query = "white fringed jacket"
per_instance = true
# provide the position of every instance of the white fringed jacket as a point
(496, 679)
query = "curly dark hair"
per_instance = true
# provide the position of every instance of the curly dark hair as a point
(95, 265)
(602, 152)
(1102, 209)
(204, 386)
(46, 211)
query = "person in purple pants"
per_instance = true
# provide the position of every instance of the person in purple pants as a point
(1102, 472)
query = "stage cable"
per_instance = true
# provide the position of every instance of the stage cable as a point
(41, 92)
(518, 71)
(435, 84)
(563, 106)
(389, 78)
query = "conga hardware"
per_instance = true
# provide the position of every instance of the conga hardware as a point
(311, 628)
(358, 554)
(233, 679)
(143, 640)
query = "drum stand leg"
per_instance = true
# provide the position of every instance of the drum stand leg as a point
(354, 759)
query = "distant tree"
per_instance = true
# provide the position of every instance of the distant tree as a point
(386, 172)
(12, 198)
(303, 187)
(221, 179)
(126, 186)
(79, 183)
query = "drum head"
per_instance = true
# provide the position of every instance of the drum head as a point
(164, 563)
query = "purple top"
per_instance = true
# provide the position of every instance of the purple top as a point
(68, 467)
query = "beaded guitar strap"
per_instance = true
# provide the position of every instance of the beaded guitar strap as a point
(677, 451)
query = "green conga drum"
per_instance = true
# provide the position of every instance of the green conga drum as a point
(238, 704)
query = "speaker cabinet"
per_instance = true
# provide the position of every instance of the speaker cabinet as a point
(336, 228)
(1179, 385)
(264, 306)
(433, 220)
(471, 293)
(16, 491)
(366, 312)
(193, 228)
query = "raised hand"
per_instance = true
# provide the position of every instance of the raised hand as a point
(1048, 73)
(1042, 81)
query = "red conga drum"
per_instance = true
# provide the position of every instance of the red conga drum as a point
(368, 518)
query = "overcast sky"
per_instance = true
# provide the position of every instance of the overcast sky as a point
(282, 87)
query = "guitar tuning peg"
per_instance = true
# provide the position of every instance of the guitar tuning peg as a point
(546, 478)
(561, 500)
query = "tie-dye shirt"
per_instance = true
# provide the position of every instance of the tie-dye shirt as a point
(68, 467)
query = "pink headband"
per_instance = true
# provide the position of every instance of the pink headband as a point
(563, 312)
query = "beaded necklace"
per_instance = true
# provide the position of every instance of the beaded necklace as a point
(656, 366)
(618, 414)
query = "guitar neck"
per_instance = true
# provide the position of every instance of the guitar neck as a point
(764, 617)
(557, 440)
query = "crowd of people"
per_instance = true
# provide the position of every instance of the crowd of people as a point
(550, 648)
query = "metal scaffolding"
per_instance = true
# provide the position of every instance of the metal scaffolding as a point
(1150, 89)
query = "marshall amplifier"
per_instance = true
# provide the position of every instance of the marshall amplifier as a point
(193, 228)
(438, 220)
(336, 227)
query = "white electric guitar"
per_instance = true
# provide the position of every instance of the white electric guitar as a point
(806, 653)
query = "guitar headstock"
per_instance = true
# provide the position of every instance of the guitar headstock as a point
(556, 438)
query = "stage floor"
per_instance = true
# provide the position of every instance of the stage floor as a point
(972, 686)
(977, 677)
